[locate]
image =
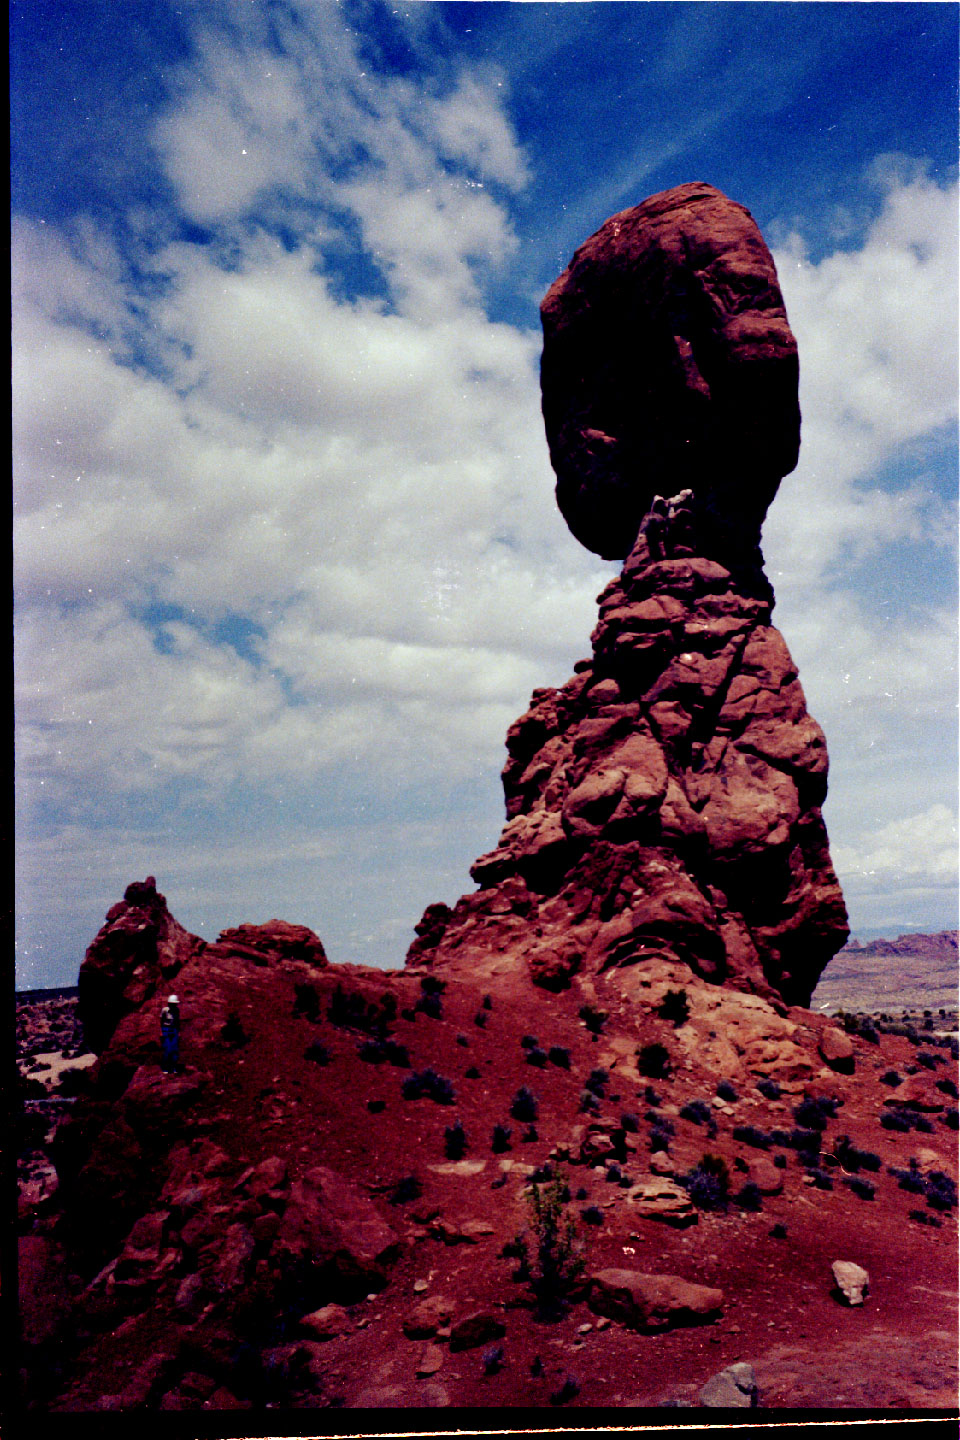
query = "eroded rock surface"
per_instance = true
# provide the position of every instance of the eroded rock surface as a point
(664, 801)
(668, 363)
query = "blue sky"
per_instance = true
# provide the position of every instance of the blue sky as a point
(287, 557)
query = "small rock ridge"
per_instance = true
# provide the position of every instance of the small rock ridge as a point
(664, 802)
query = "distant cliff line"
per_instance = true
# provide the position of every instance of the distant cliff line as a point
(942, 944)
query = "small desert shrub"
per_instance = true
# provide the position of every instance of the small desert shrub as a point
(779, 1232)
(592, 1215)
(708, 1183)
(696, 1111)
(487, 1002)
(630, 1123)
(676, 1007)
(862, 1188)
(740, 1164)
(501, 1139)
(529, 1135)
(910, 1180)
(405, 1190)
(651, 1097)
(749, 1197)
(567, 1391)
(472, 1074)
(854, 1159)
(780, 1161)
(554, 1263)
(428, 1082)
(480, 1018)
(593, 1019)
(614, 1174)
(922, 1218)
(232, 1032)
(462, 1040)
(589, 1104)
(928, 1060)
(769, 1089)
(455, 1141)
(820, 1178)
(306, 1001)
(813, 1114)
(891, 1078)
(659, 1143)
(940, 1191)
(947, 1087)
(725, 1091)
(492, 1360)
(951, 1118)
(750, 1135)
(318, 1053)
(660, 1122)
(654, 1061)
(805, 1141)
(524, 1105)
(529, 1042)
(430, 1005)
(596, 1081)
(536, 1056)
(376, 1107)
(558, 1055)
(372, 1051)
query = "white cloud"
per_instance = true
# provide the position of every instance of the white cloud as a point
(876, 329)
(916, 847)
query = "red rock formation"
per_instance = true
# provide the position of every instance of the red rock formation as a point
(664, 801)
(668, 362)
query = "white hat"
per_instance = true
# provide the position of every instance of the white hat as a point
(173, 1000)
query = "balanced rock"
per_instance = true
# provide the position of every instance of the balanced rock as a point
(665, 802)
(668, 364)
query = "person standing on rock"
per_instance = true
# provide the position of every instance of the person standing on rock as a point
(170, 1034)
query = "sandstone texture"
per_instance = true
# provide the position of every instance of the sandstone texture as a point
(664, 802)
(668, 363)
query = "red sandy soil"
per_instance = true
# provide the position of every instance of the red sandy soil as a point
(265, 1099)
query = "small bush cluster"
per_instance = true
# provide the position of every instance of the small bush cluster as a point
(891, 1078)
(769, 1089)
(405, 1190)
(318, 1053)
(455, 1141)
(947, 1087)
(697, 1111)
(653, 1061)
(708, 1183)
(749, 1198)
(814, 1114)
(500, 1141)
(750, 1135)
(901, 1120)
(725, 1091)
(593, 1018)
(376, 1051)
(350, 1011)
(480, 1018)
(596, 1082)
(524, 1105)
(923, 1218)
(536, 1056)
(429, 1083)
(589, 1104)
(559, 1055)
(863, 1188)
(630, 1123)
(676, 1007)
(951, 1118)
(472, 1073)
(592, 1215)
(853, 1159)
(306, 1001)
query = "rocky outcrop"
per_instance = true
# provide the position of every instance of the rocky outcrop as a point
(668, 363)
(139, 947)
(664, 801)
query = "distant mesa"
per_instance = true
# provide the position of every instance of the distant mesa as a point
(669, 364)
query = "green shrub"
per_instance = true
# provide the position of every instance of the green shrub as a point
(556, 1262)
